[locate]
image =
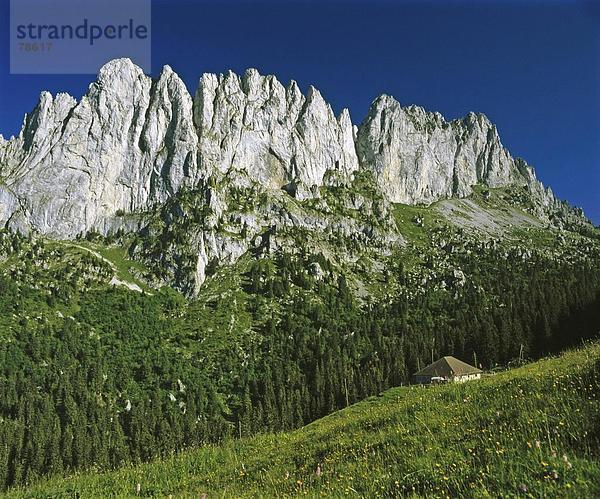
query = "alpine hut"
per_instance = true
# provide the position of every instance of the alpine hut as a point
(447, 369)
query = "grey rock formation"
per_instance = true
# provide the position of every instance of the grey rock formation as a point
(419, 157)
(127, 144)
(253, 129)
(130, 143)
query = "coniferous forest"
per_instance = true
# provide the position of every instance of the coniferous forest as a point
(94, 376)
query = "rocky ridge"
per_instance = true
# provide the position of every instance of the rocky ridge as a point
(132, 146)
(131, 142)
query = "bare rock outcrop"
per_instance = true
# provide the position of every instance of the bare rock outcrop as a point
(131, 143)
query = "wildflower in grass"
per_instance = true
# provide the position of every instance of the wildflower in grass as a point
(318, 472)
(138, 488)
(550, 472)
(538, 444)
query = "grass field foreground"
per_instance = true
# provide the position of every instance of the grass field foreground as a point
(529, 432)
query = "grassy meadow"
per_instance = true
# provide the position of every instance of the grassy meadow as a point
(533, 431)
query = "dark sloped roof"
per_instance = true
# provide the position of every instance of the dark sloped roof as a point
(447, 367)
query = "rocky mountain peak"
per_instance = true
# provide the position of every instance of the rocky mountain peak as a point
(118, 71)
(418, 157)
(132, 142)
(255, 130)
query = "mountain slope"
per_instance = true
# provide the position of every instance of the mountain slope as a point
(531, 430)
(132, 147)
(173, 268)
(282, 336)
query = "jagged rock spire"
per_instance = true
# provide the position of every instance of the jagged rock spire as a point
(132, 142)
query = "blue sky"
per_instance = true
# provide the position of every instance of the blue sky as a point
(533, 67)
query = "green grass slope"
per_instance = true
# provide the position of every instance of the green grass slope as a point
(529, 432)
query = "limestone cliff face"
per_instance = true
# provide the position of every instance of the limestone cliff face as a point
(253, 129)
(419, 157)
(130, 143)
